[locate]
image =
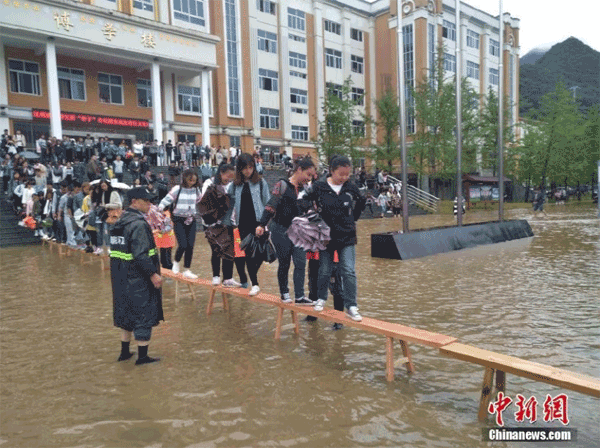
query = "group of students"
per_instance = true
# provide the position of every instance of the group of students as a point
(237, 202)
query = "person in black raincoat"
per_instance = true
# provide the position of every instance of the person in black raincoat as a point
(135, 275)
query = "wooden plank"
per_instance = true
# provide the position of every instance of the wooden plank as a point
(539, 372)
(406, 352)
(486, 391)
(389, 358)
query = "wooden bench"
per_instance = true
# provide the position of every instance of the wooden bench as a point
(499, 365)
(391, 331)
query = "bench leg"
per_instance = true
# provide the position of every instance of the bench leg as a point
(389, 358)
(176, 292)
(225, 300)
(278, 323)
(211, 301)
(407, 357)
(191, 292)
(296, 322)
(486, 391)
(500, 381)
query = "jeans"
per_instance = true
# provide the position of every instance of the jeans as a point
(346, 272)
(186, 238)
(70, 232)
(285, 252)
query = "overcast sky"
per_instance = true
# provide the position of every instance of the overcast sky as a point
(549, 21)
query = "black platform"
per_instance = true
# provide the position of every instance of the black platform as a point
(421, 243)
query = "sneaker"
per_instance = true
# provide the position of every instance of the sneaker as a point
(98, 251)
(353, 314)
(175, 267)
(338, 326)
(245, 285)
(254, 290)
(285, 298)
(189, 274)
(304, 301)
(319, 304)
(231, 283)
(216, 281)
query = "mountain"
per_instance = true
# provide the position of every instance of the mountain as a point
(572, 61)
(533, 55)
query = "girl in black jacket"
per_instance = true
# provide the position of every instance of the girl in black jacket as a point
(340, 203)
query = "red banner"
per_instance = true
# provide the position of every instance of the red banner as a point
(71, 117)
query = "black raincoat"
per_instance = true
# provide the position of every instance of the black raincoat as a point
(133, 260)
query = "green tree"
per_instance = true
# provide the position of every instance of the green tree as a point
(337, 135)
(488, 135)
(591, 145)
(388, 112)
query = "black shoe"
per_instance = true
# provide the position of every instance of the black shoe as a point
(124, 357)
(146, 360)
(338, 326)
(304, 301)
(310, 319)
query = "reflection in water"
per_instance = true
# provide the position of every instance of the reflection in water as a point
(224, 381)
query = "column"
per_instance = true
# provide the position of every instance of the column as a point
(3, 90)
(169, 106)
(53, 95)
(156, 102)
(205, 83)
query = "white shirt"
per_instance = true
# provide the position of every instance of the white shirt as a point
(336, 188)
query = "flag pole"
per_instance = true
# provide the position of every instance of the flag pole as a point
(501, 120)
(402, 101)
(459, 214)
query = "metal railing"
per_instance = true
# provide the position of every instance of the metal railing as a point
(419, 197)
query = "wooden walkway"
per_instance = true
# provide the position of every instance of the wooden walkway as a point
(495, 364)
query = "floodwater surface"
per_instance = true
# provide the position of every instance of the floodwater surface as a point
(224, 381)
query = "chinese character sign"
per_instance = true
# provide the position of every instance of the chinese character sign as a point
(553, 408)
(63, 21)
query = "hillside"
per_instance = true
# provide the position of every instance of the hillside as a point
(533, 56)
(572, 61)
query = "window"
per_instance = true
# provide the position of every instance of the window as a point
(191, 11)
(357, 64)
(300, 133)
(450, 62)
(233, 79)
(296, 19)
(472, 39)
(356, 34)
(431, 44)
(333, 58)
(110, 88)
(358, 96)
(235, 141)
(269, 118)
(189, 99)
(449, 30)
(472, 70)
(144, 93)
(24, 77)
(299, 110)
(335, 89)
(268, 79)
(358, 128)
(494, 47)
(144, 5)
(297, 38)
(333, 27)
(298, 96)
(409, 76)
(494, 76)
(297, 60)
(267, 41)
(297, 74)
(71, 83)
(266, 6)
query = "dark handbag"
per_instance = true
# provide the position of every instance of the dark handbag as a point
(259, 247)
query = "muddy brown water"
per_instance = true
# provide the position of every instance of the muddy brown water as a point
(224, 382)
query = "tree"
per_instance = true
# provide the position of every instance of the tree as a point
(337, 133)
(388, 124)
(433, 151)
(488, 134)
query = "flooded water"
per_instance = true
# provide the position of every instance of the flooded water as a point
(225, 382)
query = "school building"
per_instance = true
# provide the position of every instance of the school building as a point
(227, 72)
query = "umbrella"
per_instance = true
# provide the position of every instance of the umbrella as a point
(30, 155)
(309, 232)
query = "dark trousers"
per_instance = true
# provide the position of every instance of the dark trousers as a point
(253, 267)
(165, 258)
(215, 262)
(335, 286)
(285, 252)
(186, 238)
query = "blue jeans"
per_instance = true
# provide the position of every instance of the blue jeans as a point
(346, 272)
(286, 251)
(70, 231)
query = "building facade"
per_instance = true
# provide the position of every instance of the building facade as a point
(225, 72)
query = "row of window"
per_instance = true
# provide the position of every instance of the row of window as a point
(473, 38)
(472, 69)
(25, 78)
